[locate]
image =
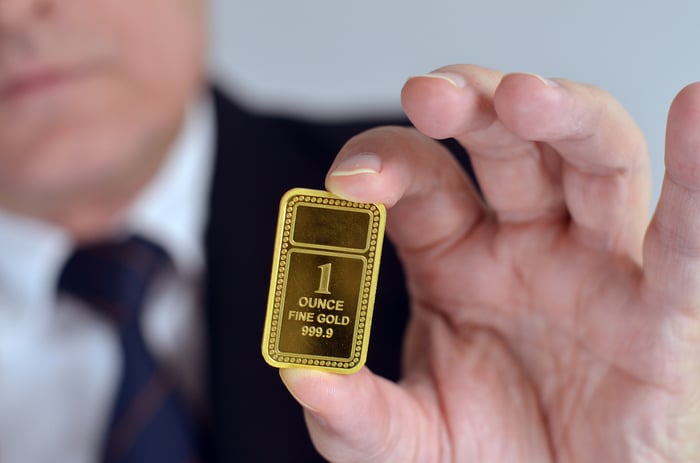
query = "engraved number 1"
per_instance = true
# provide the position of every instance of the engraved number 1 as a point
(325, 279)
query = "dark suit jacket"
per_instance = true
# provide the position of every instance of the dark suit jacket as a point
(252, 416)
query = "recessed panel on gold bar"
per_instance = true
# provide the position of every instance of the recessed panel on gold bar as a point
(323, 282)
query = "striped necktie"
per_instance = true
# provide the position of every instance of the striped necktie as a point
(148, 422)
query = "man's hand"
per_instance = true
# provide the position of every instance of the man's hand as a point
(548, 323)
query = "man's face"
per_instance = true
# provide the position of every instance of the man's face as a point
(90, 90)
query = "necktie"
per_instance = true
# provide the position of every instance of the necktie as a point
(148, 422)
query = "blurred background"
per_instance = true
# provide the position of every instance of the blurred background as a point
(330, 59)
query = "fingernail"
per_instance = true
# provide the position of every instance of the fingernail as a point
(547, 82)
(363, 163)
(452, 77)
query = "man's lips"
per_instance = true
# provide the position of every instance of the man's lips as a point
(29, 83)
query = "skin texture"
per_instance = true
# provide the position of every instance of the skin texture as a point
(551, 322)
(92, 94)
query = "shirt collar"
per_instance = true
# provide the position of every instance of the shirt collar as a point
(33, 253)
(172, 210)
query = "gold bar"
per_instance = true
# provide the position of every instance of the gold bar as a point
(323, 281)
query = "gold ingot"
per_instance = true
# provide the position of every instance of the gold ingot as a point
(323, 282)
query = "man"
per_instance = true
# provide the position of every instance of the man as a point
(107, 127)
(536, 334)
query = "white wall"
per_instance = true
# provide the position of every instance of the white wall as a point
(326, 58)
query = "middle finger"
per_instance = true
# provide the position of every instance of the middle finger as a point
(519, 179)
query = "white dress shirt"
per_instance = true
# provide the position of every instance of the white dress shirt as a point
(59, 360)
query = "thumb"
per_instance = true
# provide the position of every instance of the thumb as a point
(349, 417)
